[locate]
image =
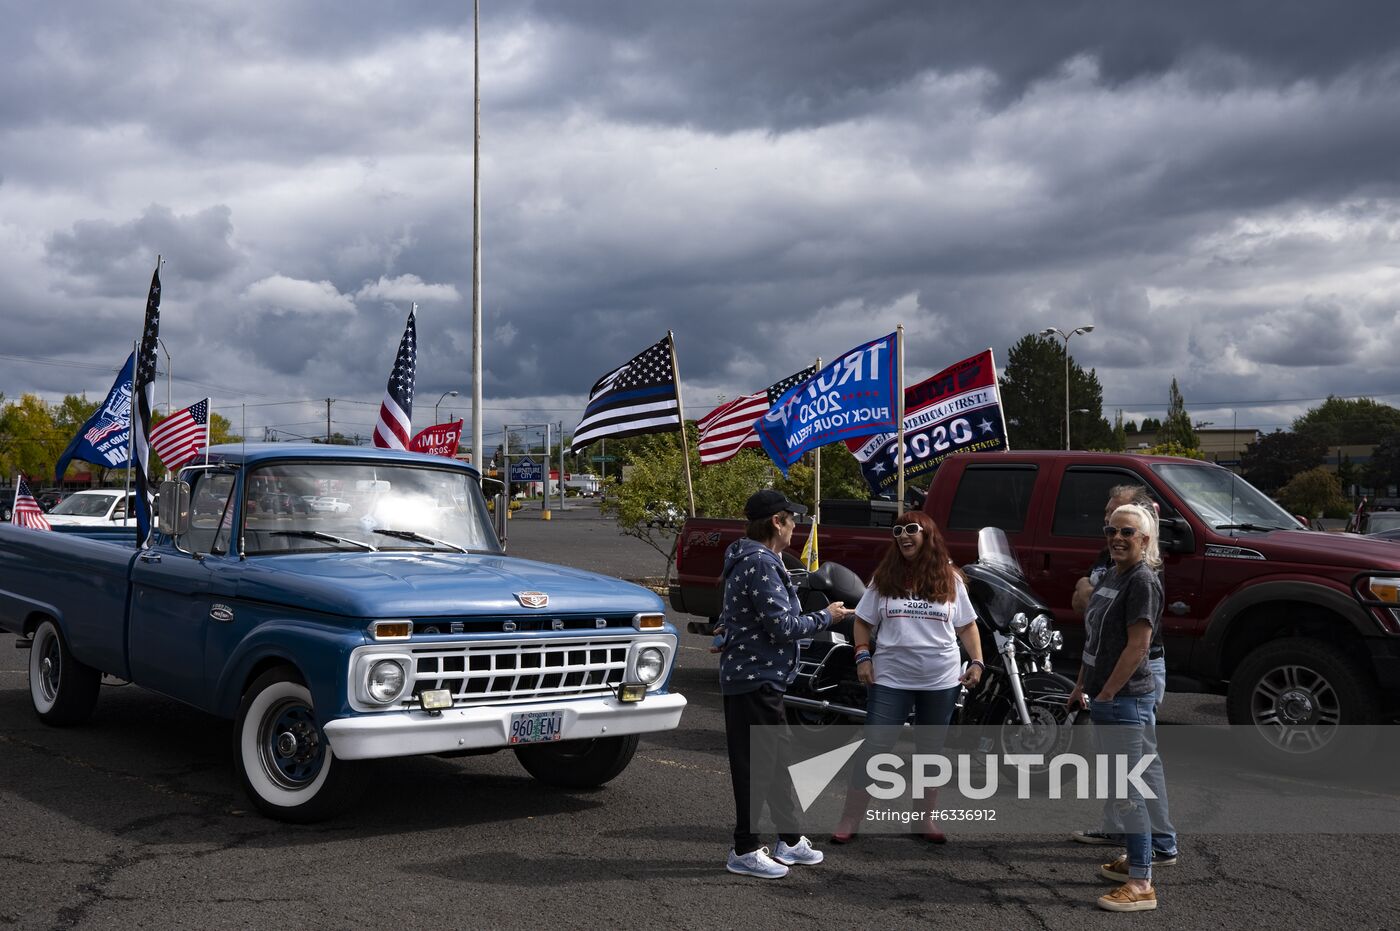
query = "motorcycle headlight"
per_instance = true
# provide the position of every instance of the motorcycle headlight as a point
(1019, 622)
(1040, 635)
(385, 681)
(1057, 640)
(651, 663)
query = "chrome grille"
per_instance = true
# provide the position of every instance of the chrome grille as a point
(507, 671)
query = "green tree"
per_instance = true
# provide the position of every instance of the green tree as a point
(655, 488)
(1151, 425)
(1312, 493)
(1130, 427)
(1173, 449)
(1033, 394)
(1270, 461)
(1383, 470)
(32, 439)
(1176, 428)
(1120, 434)
(1348, 421)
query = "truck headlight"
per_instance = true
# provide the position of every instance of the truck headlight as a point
(651, 663)
(385, 681)
(1039, 634)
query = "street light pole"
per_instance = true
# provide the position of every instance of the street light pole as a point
(445, 394)
(1056, 331)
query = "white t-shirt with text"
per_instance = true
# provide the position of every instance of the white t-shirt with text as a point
(917, 644)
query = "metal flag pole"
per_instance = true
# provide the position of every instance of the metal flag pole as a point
(817, 476)
(208, 427)
(477, 448)
(899, 409)
(680, 409)
(131, 423)
(561, 465)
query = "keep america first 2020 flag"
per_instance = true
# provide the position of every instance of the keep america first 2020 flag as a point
(634, 398)
(395, 424)
(729, 428)
(956, 411)
(179, 438)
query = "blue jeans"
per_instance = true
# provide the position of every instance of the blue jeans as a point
(886, 710)
(1130, 721)
(1164, 839)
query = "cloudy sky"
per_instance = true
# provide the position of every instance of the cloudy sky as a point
(1215, 186)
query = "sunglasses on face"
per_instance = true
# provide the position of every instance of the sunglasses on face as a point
(910, 529)
(1124, 532)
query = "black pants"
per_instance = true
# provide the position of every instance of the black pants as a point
(768, 768)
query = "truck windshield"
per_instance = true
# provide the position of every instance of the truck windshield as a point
(1224, 500)
(320, 506)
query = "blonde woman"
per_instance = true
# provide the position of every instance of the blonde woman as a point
(1124, 611)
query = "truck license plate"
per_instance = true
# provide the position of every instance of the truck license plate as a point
(527, 727)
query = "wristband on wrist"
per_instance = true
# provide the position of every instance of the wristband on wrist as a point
(978, 663)
(862, 656)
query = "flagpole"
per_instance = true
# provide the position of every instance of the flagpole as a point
(817, 476)
(208, 427)
(476, 235)
(131, 421)
(680, 409)
(899, 408)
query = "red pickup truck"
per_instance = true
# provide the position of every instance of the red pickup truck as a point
(1298, 628)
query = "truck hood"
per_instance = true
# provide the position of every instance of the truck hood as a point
(1343, 550)
(416, 585)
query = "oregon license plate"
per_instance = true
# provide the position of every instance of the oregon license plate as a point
(527, 727)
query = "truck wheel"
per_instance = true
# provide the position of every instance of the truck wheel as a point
(63, 690)
(284, 760)
(1297, 691)
(578, 764)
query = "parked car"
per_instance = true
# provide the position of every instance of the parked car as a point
(49, 499)
(95, 507)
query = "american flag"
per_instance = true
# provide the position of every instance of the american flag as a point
(27, 512)
(180, 437)
(396, 412)
(142, 389)
(638, 397)
(729, 428)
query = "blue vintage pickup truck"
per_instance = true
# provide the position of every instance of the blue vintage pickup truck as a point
(343, 604)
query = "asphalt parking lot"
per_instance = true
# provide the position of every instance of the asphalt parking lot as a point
(136, 820)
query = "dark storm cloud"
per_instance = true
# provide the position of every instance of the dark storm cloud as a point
(107, 257)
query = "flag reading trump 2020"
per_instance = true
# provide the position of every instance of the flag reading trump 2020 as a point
(852, 397)
(105, 439)
(956, 411)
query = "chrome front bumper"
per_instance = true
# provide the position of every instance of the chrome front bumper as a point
(414, 733)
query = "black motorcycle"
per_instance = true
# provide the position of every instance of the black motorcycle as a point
(1020, 694)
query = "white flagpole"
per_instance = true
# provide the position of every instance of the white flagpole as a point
(478, 449)
(996, 382)
(208, 427)
(14, 505)
(899, 408)
(817, 477)
(131, 421)
(680, 409)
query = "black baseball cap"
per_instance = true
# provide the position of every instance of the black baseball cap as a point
(768, 502)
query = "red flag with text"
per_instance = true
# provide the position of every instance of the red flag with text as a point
(438, 440)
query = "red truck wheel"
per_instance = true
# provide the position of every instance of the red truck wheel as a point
(578, 764)
(1297, 691)
(284, 760)
(63, 690)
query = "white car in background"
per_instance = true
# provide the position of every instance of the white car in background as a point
(327, 504)
(96, 507)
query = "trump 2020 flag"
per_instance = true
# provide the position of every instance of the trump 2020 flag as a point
(956, 411)
(395, 424)
(180, 437)
(105, 439)
(852, 397)
(634, 398)
(438, 440)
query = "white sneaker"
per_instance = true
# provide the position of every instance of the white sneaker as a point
(757, 863)
(801, 852)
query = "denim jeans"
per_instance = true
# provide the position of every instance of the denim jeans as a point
(1164, 838)
(886, 710)
(1128, 720)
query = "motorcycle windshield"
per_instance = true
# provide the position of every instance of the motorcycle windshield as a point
(995, 552)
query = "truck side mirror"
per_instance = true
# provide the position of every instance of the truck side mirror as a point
(173, 517)
(1176, 535)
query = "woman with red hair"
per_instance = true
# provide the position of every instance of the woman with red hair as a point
(916, 607)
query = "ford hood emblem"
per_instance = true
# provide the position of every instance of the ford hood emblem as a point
(533, 599)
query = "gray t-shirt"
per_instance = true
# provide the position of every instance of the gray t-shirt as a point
(1118, 602)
